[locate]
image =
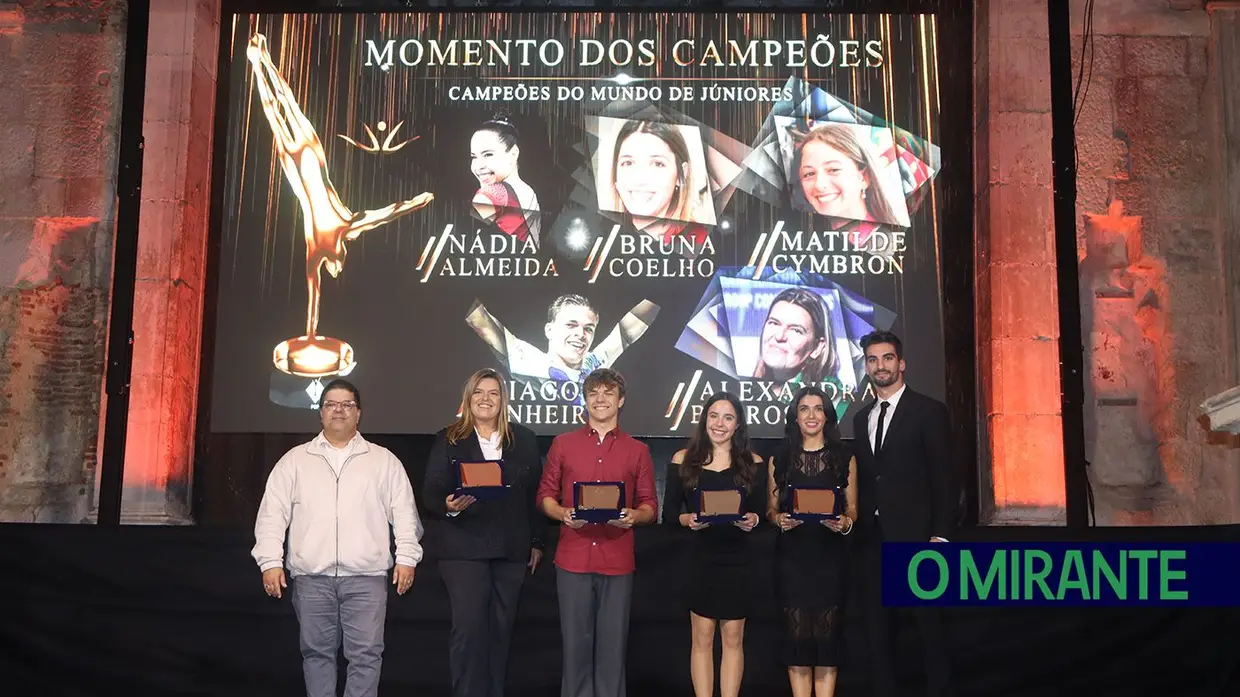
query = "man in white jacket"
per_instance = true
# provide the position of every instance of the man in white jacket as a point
(336, 497)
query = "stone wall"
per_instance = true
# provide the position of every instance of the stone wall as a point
(60, 88)
(1155, 322)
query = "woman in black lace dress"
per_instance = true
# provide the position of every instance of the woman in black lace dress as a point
(719, 589)
(810, 558)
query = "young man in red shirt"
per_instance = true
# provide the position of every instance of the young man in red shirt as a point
(594, 561)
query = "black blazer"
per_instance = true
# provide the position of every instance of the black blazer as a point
(501, 529)
(911, 481)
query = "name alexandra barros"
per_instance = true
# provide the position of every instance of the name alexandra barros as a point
(821, 52)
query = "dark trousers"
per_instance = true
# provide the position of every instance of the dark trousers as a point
(483, 595)
(880, 629)
(594, 627)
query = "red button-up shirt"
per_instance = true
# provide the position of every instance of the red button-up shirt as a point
(579, 456)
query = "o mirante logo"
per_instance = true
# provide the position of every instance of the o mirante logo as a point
(1200, 574)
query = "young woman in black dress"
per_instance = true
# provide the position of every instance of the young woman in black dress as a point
(717, 457)
(810, 558)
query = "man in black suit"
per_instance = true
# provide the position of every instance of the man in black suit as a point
(906, 494)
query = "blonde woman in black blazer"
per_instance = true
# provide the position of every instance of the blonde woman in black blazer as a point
(484, 548)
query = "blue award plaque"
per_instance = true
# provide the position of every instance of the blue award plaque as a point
(717, 506)
(481, 479)
(598, 502)
(815, 503)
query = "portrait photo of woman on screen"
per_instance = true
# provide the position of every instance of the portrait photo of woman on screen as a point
(503, 198)
(835, 172)
(796, 344)
(654, 174)
(794, 337)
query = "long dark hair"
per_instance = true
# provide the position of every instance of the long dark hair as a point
(838, 453)
(700, 450)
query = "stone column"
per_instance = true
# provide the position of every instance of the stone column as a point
(168, 299)
(1018, 326)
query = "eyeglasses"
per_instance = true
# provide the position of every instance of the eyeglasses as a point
(333, 406)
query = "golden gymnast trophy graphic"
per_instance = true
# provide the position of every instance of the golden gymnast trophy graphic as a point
(329, 224)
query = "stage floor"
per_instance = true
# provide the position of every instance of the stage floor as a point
(165, 612)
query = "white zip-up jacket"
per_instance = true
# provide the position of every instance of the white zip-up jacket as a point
(337, 525)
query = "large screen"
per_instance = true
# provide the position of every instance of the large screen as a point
(703, 202)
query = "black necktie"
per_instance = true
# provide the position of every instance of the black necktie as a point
(878, 434)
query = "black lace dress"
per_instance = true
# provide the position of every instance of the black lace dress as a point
(810, 563)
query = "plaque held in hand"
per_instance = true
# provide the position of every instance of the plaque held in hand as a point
(815, 503)
(598, 502)
(481, 479)
(717, 506)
